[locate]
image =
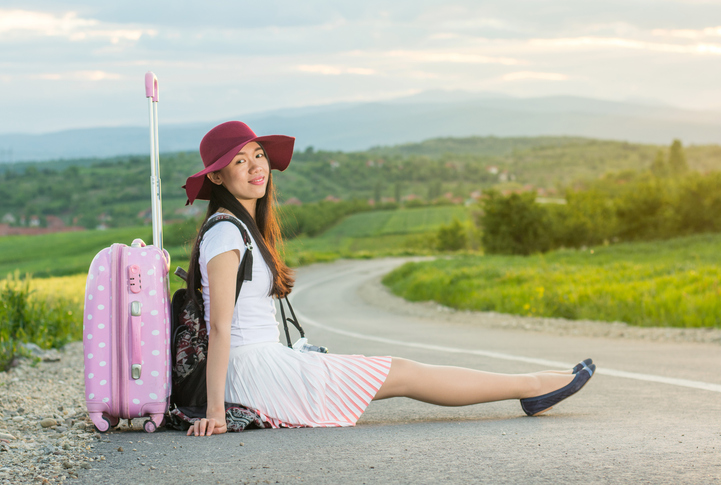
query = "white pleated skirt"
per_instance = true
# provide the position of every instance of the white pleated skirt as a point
(293, 389)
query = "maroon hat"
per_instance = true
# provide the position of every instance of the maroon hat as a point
(221, 144)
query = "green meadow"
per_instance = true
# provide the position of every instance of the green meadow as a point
(377, 233)
(383, 232)
(665, 283)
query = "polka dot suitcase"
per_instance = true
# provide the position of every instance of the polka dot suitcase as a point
(126, 335)
(126, 326)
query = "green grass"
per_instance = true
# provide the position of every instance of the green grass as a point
(373, 234)
(667, 283)
(390, 222)
(370, 233)
(28, 316)
(67, 253)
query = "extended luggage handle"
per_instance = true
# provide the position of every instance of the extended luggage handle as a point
(151, 86)
(151, 92)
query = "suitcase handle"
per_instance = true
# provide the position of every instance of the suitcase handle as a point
(151, 86)
(151, 93)
(135, 343)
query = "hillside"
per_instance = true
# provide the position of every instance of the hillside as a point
(358, 126)
(114, 192)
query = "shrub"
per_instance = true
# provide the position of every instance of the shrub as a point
(699, 204)
(588, 218)
(49, 323)
(452, 237)
(645, 210)
(514, 224)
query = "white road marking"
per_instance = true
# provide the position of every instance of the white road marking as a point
(497, 355)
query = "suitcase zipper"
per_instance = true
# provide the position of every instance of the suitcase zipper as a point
(124, 335)
(114, 325)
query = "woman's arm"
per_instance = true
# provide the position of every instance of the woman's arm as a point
(222, 273)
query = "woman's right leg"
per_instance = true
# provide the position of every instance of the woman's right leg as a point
(458, 386)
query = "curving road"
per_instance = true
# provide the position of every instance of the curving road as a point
(652, 414)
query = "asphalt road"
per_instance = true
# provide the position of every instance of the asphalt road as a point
(652, 413)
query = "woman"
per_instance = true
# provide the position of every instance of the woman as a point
(246, 364)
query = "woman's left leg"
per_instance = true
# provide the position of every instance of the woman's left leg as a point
(458, 386)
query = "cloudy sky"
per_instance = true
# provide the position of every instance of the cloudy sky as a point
(80, 63)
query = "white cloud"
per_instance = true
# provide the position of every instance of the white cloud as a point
(328, 70)
(712, 49)
(78, 76)
(15, 23)
(41, 22)
(543, 76)
(688, 33)
(451, 57)
(444, 36)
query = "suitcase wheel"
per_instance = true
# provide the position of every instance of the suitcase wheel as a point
(149, 426)
(102, 424)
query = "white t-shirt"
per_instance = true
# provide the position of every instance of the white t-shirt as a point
(254, 316)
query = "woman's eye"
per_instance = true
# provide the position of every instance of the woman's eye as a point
(260, 155)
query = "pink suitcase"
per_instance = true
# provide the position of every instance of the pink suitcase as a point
(126, 327)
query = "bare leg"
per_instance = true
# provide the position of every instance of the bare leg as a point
(457, 386)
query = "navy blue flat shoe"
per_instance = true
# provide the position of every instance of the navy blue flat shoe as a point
(534, 406)
(581, 365)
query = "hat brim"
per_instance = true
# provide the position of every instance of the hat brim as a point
(279, 149)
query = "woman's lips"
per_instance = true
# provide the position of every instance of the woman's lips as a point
(258, 181)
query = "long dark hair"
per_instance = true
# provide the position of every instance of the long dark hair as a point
(265, 230)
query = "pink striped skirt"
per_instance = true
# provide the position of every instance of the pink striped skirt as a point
(293, 389)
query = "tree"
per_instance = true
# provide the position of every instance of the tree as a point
(452, 237)
(659, 167)
(677, 163)
(514, 224)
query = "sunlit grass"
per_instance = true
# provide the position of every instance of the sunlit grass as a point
(671, 283)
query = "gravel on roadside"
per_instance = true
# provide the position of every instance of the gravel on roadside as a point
(375, 293)
(45, 433)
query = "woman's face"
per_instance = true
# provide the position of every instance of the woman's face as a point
(246, 176)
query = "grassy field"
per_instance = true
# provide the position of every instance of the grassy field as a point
(668, 283)
(66, 253)
(392, 222)
(374, 234)
(359, 235)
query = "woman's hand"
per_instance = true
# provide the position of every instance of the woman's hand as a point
(209, 426)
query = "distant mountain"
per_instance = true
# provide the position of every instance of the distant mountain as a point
(358, 126)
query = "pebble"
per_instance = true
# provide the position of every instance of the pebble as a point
(48, 422)
(44, 427)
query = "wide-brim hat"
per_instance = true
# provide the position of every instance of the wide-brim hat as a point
(221, 144)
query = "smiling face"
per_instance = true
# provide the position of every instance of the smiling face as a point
(246, 176)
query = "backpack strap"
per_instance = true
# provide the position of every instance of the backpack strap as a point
(245, 270)
(293, 320)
